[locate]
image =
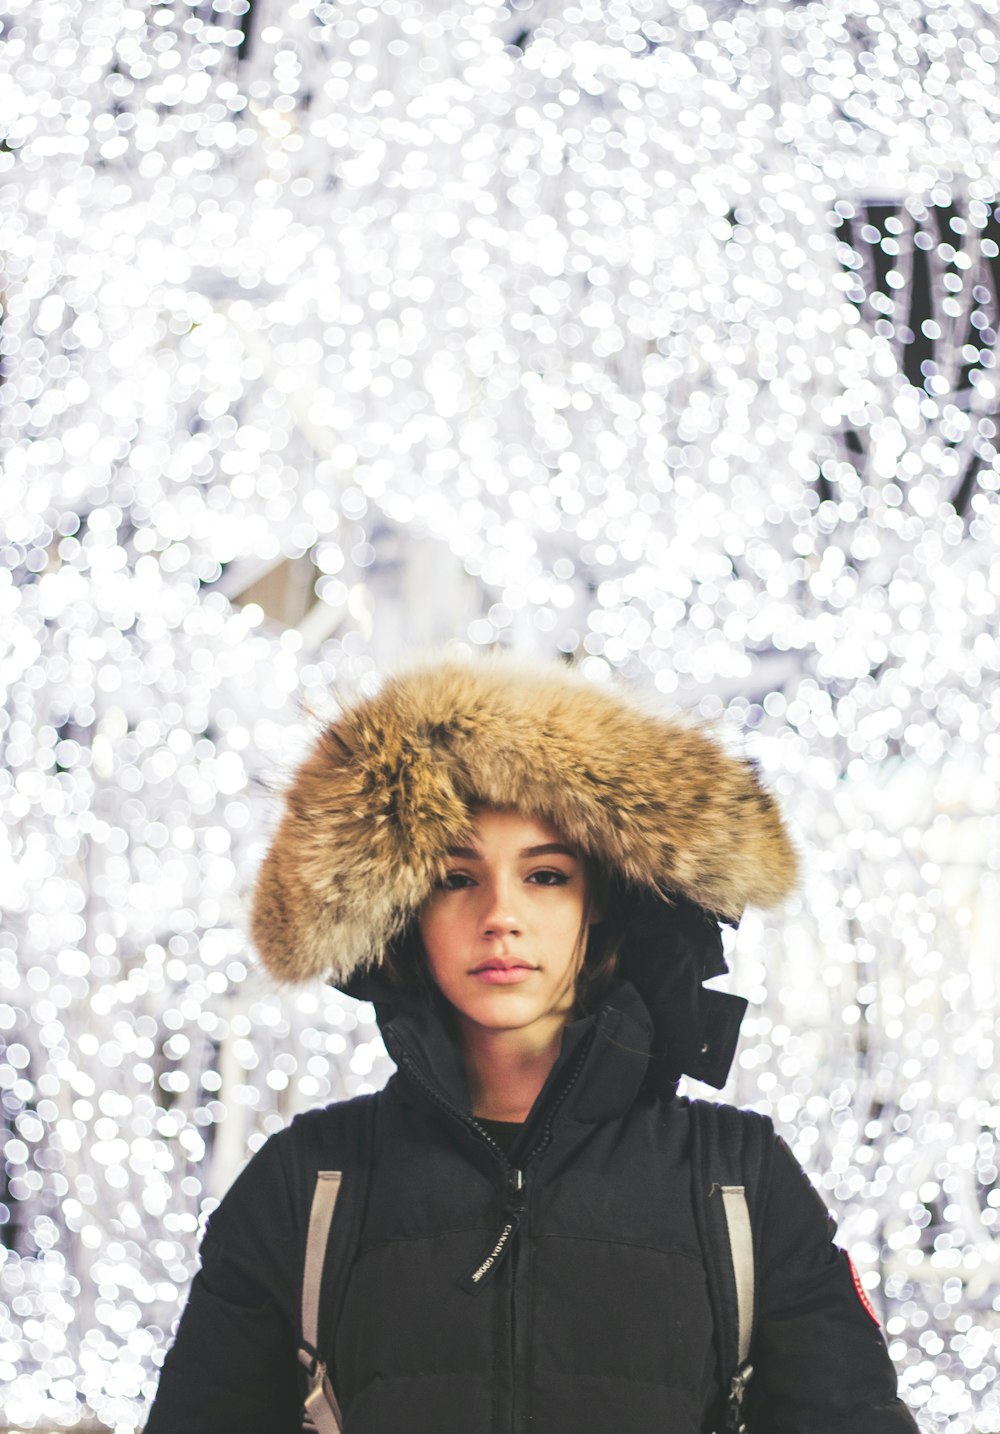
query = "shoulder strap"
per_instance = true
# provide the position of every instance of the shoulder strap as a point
(328, 1257)
(731, 1152)
(737, 1213)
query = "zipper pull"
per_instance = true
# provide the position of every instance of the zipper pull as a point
(494, 1256)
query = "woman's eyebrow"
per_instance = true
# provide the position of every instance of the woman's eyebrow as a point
(552, 848)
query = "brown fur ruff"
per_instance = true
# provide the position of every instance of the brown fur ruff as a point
(387, 789)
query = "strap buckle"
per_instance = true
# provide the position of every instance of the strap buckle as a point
(311, 1360)
(321, 1412)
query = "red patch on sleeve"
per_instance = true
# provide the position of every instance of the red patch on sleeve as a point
(862, 1294)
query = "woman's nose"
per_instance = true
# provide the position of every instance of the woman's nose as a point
(499, 910)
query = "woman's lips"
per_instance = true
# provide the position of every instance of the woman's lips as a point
(503, 975)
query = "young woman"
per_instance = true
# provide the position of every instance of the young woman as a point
(526, 873)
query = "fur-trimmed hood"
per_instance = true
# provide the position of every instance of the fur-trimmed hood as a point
(387, 789)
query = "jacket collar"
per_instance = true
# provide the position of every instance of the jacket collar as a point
(610, 1048)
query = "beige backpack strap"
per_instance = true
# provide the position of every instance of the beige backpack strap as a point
(322, 1412)
(734, 1203)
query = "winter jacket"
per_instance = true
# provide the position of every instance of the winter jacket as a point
(595, 1320)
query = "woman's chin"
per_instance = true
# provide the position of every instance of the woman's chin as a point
(499, 1014)
(504, 1009)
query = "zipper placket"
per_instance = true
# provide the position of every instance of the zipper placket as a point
(470, 1120)
(538, 1149)
(558, 1100)
(516, 1190)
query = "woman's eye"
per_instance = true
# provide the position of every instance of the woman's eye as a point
(549, 878)
(454, 881)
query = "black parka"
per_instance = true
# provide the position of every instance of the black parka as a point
(595, 1321)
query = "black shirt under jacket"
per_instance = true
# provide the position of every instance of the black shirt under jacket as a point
(596, 1320)
(504, 1132)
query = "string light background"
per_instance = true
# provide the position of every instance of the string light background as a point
(659, 336)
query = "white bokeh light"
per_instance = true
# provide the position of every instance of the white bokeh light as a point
(659, 336)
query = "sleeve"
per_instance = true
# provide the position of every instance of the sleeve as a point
(232, 1368)
(821, 1365)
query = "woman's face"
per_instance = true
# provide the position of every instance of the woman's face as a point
(504, 931)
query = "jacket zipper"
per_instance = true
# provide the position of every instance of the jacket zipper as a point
(540, 1146)
(516, 1192)
(512, 1212)
(515, 1175)
(567, 1086)
(417, 1075)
